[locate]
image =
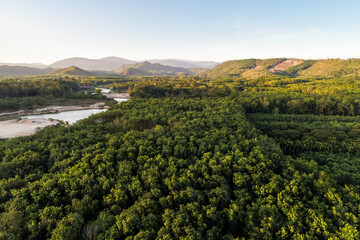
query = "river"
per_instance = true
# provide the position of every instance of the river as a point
(30, 124)
(76, 115)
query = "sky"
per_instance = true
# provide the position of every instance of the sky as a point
(216, 30)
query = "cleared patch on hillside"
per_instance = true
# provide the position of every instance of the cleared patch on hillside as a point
(286, 65)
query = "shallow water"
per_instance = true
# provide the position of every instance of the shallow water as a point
(105, 90)
(73, 116)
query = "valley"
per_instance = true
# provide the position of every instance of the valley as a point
(179, 120)
(231, 149)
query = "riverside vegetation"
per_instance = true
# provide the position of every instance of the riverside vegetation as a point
(192, 158)
(33, 92)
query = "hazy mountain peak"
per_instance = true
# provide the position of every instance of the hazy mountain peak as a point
(112, 62)
(114, 59)
(6, 70)
(33, 65)
(151, 69)
(185, 63)
(72, 70)
(103, 64)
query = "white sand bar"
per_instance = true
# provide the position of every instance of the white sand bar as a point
(24, 127)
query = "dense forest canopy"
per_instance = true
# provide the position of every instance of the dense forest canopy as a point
(190, 158)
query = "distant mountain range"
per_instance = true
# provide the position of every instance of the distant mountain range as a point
(106, 66)
(103, 64)
(6, 70)
(151, 69)
(184, 63)
(34, 65)
(136, 69)
(111, 63)
(246, 68)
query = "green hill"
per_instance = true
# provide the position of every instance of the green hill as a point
(244, 68)
(6, 70)
(74, 71)
(332, 68)
(151, 69)
(198, 70)
(275, 67)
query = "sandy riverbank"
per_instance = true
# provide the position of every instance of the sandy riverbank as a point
(57, 109)
(53, 109)
(117, 95)
(23, 127)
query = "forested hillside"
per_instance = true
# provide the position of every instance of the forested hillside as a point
(72, 71)
(151, 69)
(246, 68)
(193, 158)
(6, 70)
(282, 67)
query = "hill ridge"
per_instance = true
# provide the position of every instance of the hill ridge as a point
(10, 71)
(72, 70)
(285, 67)
(151, 69)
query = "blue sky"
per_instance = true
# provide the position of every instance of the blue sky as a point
(49, 30)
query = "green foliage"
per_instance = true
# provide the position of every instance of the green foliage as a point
(171, 168)
(70, 227)
(36, 87)
(332, 141)
(256, 68)
(192, 158)
(29, 93)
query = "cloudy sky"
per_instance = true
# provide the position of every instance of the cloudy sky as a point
(48, 30)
